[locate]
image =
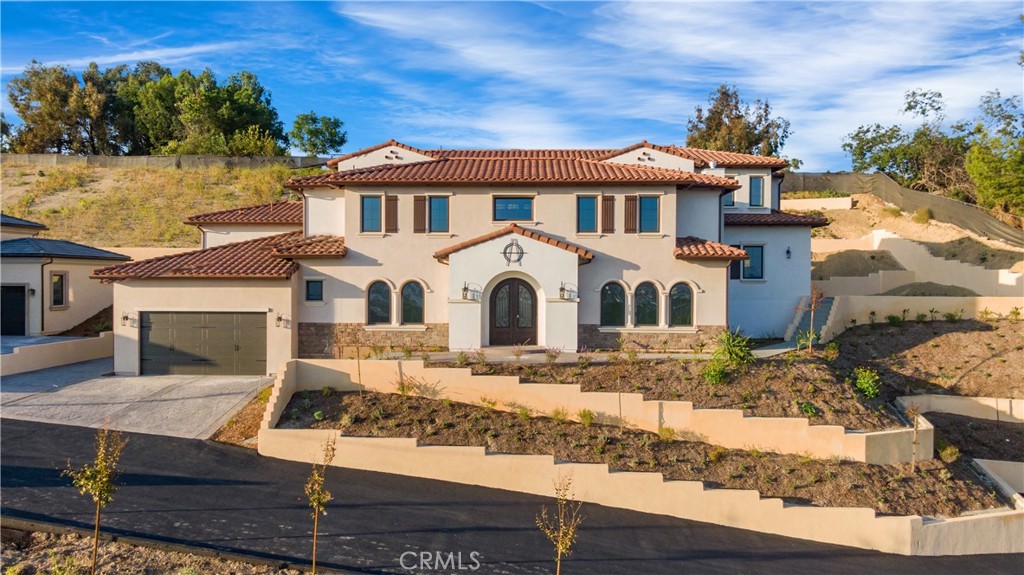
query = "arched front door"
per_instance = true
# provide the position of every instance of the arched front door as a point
(513, 313)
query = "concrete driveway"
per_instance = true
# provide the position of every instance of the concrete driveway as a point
(189, 406)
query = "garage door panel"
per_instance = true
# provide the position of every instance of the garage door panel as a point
(199, 343)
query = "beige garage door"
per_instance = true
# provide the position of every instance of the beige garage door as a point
(202, 343)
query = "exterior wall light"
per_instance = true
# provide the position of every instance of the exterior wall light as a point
(561, 291)
(277, 320)
(31, 291)
(789, 253)
(465, 290)
(124, 319)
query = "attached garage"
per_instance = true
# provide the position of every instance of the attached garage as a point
(203, 343)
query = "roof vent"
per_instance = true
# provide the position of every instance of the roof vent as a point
(712, 164)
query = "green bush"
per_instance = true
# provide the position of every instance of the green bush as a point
(733, 349)
(894, 320)
(923, 215)
(715, 372)
(586, 417)
(867, 382)
(892, 211)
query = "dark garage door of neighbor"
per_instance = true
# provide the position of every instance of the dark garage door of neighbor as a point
(197, 343)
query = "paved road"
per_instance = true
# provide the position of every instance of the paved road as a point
(228, 498)
(190, 406)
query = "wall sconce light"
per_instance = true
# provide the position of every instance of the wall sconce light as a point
(789, 253)
(465, 290)
(124, 319)
(277, 320)
(561, 291)
(31, 291)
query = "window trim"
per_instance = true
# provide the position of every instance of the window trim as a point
(423, 304)
(64, 289)
(533, 207)
(380, 214)
(597, 214)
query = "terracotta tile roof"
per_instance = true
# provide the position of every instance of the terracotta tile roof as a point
(693, 248)
(312, 247)
(585, 255)
(509, 171)
(582, 154)
(702, 158)
(275, 213)
(251, 259)
(390, 143)
(774, 218)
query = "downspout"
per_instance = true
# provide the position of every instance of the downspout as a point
(42, 296)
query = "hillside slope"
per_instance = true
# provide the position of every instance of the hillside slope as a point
(133, 206)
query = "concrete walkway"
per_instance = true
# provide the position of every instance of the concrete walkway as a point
(190, 406)
(227, 498)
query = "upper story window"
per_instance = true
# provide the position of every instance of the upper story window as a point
(613, 305)
(314, 290)
(437, 221)
(586, 214)
(370, 213)
(756, 192)
(513, 209)
(750, 269)
(728, 200)
(649, 221)
(58, 289)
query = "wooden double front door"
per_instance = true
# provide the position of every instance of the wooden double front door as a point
(513, 313)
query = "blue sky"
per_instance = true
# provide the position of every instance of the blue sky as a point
(551, 74)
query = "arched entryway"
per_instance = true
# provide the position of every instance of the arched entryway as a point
(513, 313)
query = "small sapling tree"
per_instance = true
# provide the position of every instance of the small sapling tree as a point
(317, 494)
(98, 478)
(813, 303)
(561, 526)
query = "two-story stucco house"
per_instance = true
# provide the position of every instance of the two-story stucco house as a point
(461, 249)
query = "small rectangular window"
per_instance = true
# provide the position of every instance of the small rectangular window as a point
(314, 290)
(513, 209)
(727, 200)
(369, 214)
(756, 192)
(649, 214)
(438, 214)
(753, 268)
(586, 214)
(58, 289)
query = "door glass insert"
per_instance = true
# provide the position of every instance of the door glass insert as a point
(501, 301)
(525, 311)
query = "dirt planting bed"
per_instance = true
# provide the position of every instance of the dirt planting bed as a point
(980, 438)
(937, 488)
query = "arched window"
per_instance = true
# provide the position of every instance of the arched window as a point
(645, 304)
(681, 305)
(412, 303)
(378, 303)
(613, 305)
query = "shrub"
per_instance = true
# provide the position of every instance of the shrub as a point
(921, 317)
(559, 414)
(831, 351)
(462, 359)
(986, 315)
(867, 382)
(716, 454)
(488, 402)
(319, 416)
(715, 372)
(733, 349)
(524, 413)
(894, 320)
(892, 211)
(327, 391)
(808, 409)
(551, 354)
(666, 434)
(951, 316)
(586, 417)
(102, 325)
(1014, 314)
(922, 215)
(950, 453)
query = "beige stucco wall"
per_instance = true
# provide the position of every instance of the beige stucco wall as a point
(698, 214)
(85, 296)
(991, 408)
(34, 357)
(219, 234)
(998, 532)
(264, 296)
(146, 253)
(652, 159)
(383, 156)
(9, 233)
(1011, 473)
(871, 284)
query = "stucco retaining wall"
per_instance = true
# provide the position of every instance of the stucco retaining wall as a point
(725, 427)
(805, 204)
(996, 532)
(991, 408)
(871, 284)
(1009, 473)
(33, 357)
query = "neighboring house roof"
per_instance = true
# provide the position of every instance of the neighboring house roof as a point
(251, 259)
(13, 222)
(700, 157)
(38, 247)
(275, 213)
(312, 247)
(584, 254)
(774, 218)
(694, 248)
(510, 171)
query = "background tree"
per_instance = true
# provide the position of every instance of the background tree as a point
(5, 134)
(43, 97)
(318, 135)
(995, 161)
(732, 125)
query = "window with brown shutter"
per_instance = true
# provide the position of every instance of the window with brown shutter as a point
(419, 214)
(607, 214)
(631, 216)
(391, 214)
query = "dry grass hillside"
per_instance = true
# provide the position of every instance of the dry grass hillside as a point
(133, 206)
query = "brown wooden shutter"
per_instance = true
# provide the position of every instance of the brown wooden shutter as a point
(419, 214)
(607, 214)
(631, 217)
(391, 214)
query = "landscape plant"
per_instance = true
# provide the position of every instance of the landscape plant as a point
(98, 479)
(913, 412)
(867, 382)
(561, 526)
(1014, 314)
(733, 349)
(316, 493)
(814, 301)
